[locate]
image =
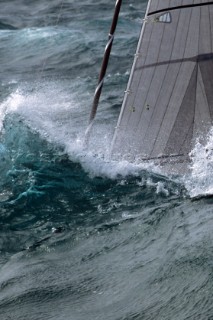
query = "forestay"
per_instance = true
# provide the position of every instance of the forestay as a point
(169, 99)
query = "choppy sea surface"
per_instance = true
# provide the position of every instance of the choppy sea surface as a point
(82, 236)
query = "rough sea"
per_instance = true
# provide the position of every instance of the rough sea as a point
(83, 237)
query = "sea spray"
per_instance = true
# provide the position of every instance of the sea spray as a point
(200, 180)
(61, 122)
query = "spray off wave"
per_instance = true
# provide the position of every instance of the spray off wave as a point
(200, 181)
(54, 118)
(63, 123)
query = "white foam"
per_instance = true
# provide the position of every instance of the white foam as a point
(53, 114)
(48, 112)
(200, 180)
(10, 105)
(98, 165)
(59, 118)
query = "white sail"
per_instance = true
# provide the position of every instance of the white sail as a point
(169, 99)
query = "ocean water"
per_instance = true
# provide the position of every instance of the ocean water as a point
(82, 236)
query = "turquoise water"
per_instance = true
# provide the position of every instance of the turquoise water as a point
(82, 236)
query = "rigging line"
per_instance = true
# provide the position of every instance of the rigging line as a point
(181, 7)
(102, 73)
(105, 61)
(60, 13)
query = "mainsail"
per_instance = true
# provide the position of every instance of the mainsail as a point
(169, 99)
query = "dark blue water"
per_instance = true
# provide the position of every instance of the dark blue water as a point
(82, 236)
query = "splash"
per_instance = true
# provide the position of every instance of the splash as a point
(200, 181)
(10, 105)
(59, 119)
(51, 112)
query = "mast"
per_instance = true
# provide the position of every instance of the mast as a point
(105, 61)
